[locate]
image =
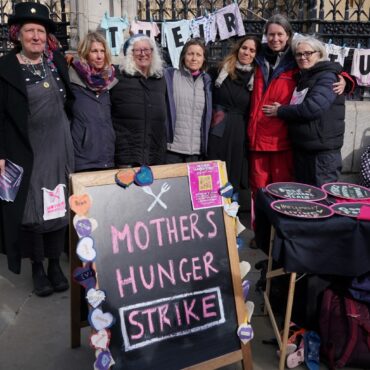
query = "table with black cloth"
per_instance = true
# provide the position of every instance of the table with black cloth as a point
(336, 245)
(327, 249)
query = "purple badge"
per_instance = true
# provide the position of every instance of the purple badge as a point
(85, 276)
(103, 360)
(83, 227)
(245, 333)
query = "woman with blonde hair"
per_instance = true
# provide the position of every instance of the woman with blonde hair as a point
(231, 100)
(92, 76)
(139, 105)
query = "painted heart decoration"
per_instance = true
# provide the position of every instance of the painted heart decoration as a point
(232, 209)
(84, 225)
(125, 177)
(95, 297)
(226, 191)
(244, 268)
(80, 204)
(246, 286)
(144, 176)
(103, 361)
(249, 305)
(85, 249)
(245, 333)
(101, 339)
(100, 320)
(85, 276)
(239, 226)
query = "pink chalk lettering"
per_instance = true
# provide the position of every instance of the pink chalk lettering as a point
(158, 222)
(134, 323)
(208, 306)
(121, 235)
(184, 228)
(188, 311)
(162, 272)
(184, 278)
(207, 260)
(178, 316)
(128, 281)
(149, 312)
(172, 231)
(163, 319)
(140, 225)
(213, 233)
(196, 267)
(193, 226)
(143, 280)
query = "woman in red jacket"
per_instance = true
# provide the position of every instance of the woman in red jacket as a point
(270, 149)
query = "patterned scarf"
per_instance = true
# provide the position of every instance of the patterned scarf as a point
(95, 81)
(241, 67)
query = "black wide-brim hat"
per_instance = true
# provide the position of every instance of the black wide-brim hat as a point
(32, 13)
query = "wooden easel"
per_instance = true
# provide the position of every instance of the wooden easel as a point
(282, 341)
(79, 184)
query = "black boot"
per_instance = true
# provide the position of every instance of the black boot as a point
(42, 286)
(56, 276)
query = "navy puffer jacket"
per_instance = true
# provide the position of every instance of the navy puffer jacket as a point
(139, 117)
(317, 123)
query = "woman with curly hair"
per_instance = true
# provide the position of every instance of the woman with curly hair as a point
(139, 105)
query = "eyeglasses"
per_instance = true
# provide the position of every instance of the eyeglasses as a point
(306, 54)
(142, 51)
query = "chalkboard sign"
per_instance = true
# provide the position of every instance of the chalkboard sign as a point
(170, 274)
(295, 190)
(350, 209)
(301, 209)
(347, 191)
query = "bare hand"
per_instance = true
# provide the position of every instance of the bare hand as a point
(271, 110)
(338, 87)
(2, 166)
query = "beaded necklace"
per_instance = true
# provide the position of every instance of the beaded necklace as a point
(37, 69)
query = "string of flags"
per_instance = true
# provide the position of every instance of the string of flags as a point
(225, 23)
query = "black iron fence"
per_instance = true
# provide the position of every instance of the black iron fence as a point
(341, 22)
(57, 11)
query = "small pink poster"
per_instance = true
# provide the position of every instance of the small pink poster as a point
(204, 183)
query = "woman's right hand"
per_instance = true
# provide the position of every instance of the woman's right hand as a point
(2, 166)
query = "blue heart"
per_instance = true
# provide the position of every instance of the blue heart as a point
(144, 176)
(226, 191)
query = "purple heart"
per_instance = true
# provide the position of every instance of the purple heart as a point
(103, 360)
(83, 227)
(245, 332)
(85, 276)
(246, 285)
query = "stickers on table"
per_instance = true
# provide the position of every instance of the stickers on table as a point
(302, 209)
(347, 190)
(295, 190)
(350, 209)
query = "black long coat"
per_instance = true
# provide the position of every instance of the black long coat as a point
(139, 116)
(15, 146)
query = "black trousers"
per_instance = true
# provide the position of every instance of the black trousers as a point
(38, 246)
(173, 157)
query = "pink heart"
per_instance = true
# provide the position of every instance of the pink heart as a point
(101, 339)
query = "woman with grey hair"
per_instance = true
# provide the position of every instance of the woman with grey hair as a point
(315, 115)
(139, 105)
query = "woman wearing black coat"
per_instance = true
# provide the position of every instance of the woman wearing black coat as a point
(315, 115)
(139, 105)
(35, 134)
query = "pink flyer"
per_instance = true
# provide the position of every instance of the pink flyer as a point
(204, 183)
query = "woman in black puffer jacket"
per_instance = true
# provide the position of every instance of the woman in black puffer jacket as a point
(315, 115)
(139, 105)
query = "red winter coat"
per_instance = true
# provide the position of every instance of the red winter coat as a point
(271, 133)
